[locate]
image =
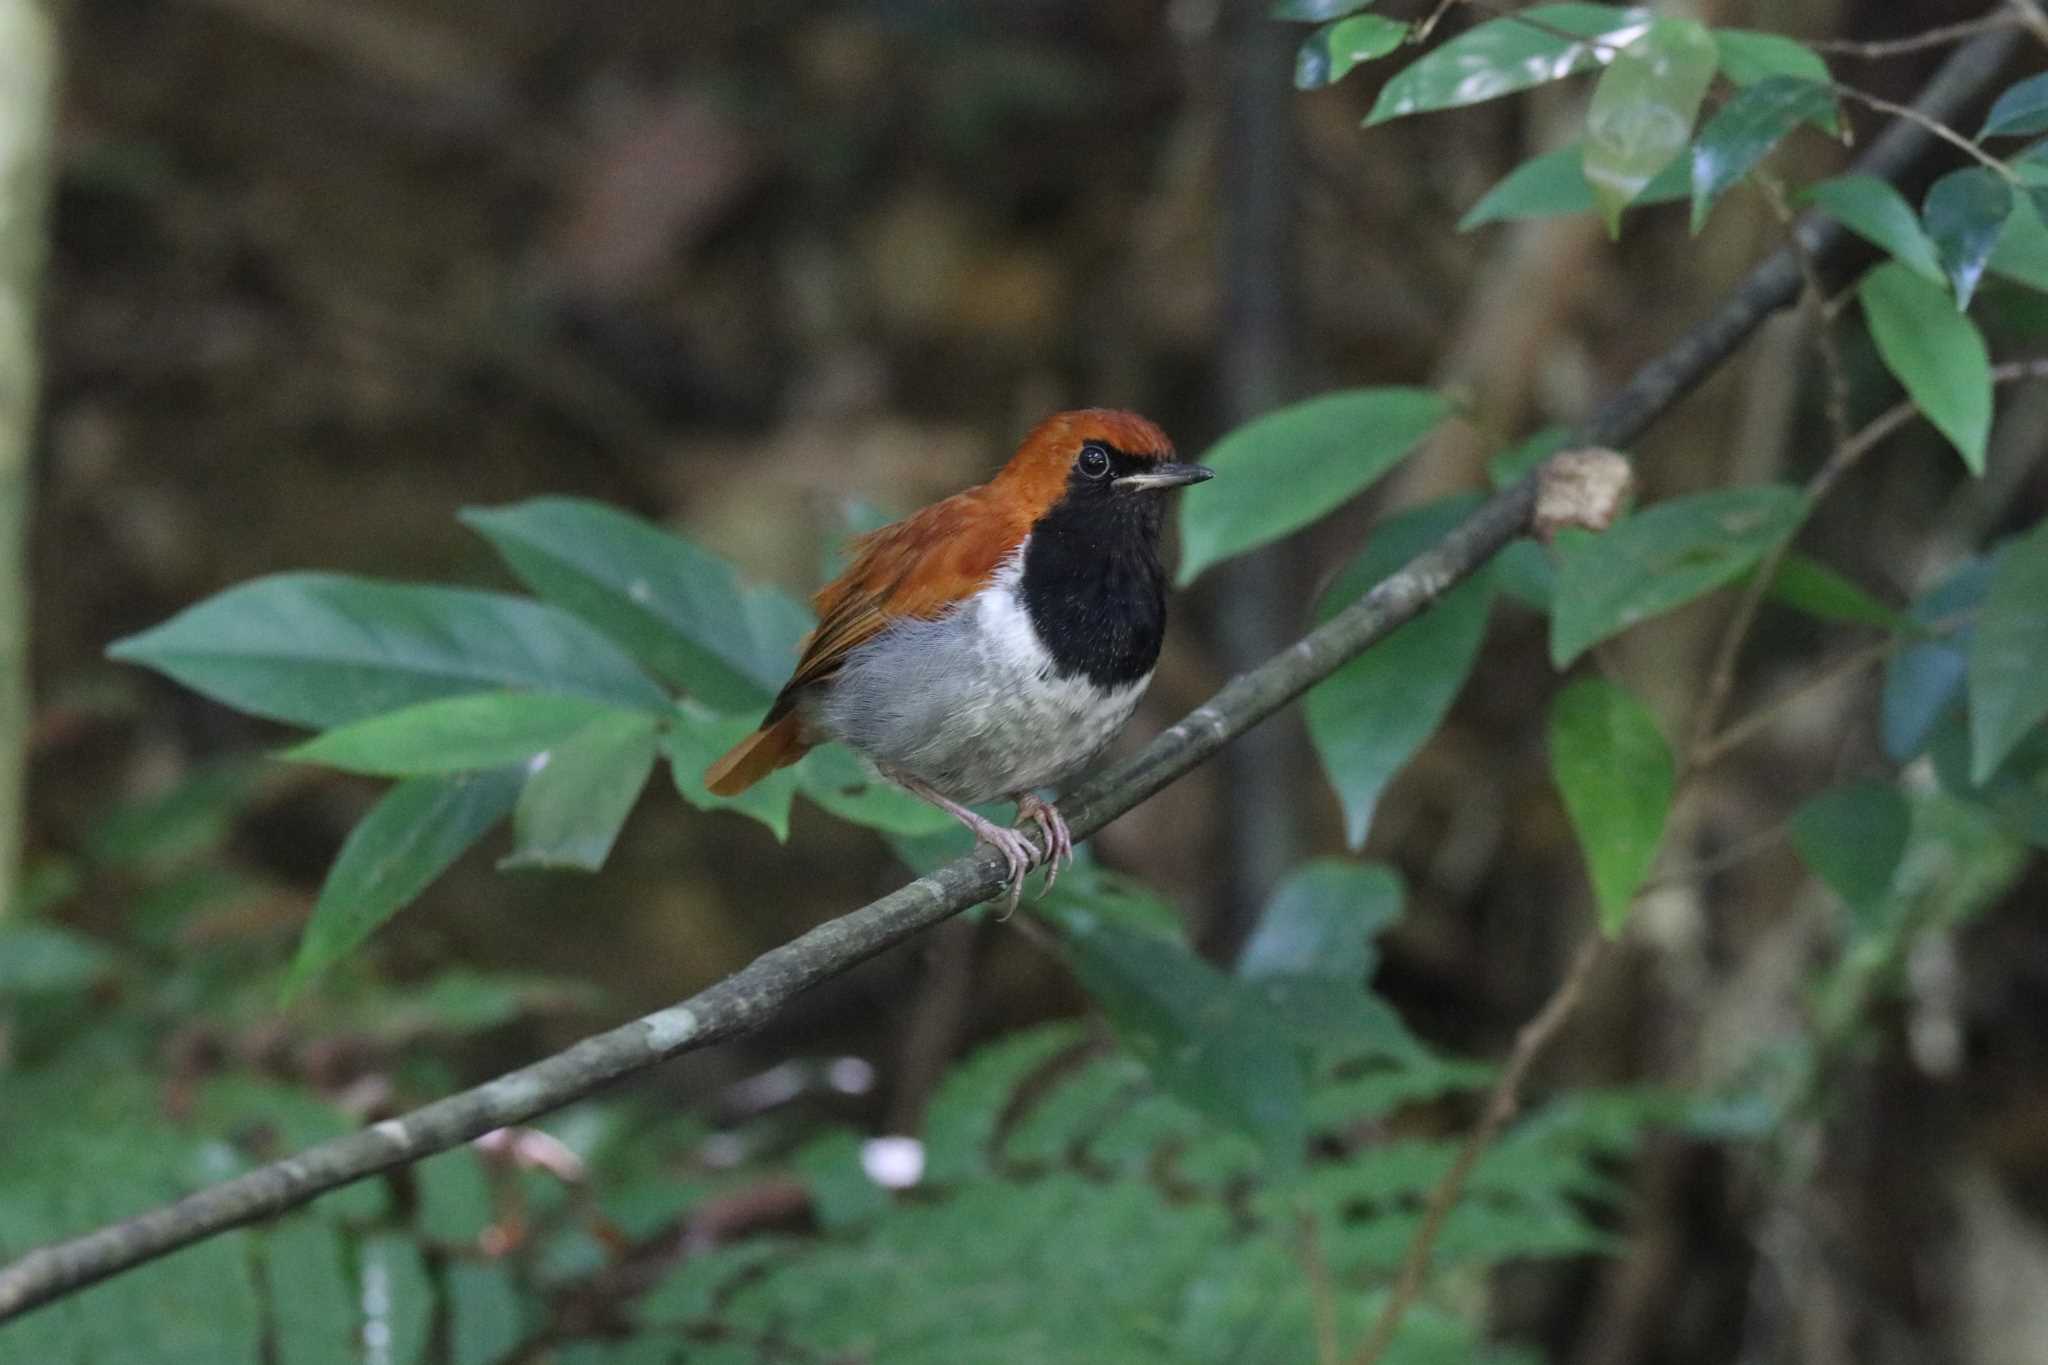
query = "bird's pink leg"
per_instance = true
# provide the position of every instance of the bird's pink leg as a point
(1052, 827)
(1018, 851)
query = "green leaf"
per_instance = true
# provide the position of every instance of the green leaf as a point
(1964, 213)
(1643, 110)
(485, 1321)
(2022, 251)
(1809, 586)
(1332, 52)
(835, 778)
(41, 959)
(402, 1315)
(2015, 796)
(698, 738)
(1874, 211)
(1617, 778)
(681, 610)
(1362, 741)
(1748, 57)
(581, 792)
(408, 839)
(1205, 1038)
(1745, 130)
(1924, 681)
(1554, 185)
(2021, 111)
(453, 735)
(1853, 837)
(1937, 354)
(1322, 921)
(1291, 466)
(2008, 654)
(311, 1304)
(322, 649)
(1505, 55)
(1316, 11)
(1660, 558)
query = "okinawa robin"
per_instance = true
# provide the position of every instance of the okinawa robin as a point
(993, 643)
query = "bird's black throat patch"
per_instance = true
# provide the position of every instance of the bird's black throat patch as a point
(1093, 584)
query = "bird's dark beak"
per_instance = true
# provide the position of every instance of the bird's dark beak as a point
(1166, 476)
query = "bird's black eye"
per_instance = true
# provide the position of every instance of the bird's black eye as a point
(1093, 462)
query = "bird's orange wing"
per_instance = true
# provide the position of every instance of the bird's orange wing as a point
(913, 569)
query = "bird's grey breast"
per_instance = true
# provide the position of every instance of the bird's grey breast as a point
(971, 701)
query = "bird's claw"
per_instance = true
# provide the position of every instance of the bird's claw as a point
(1019, 855)
(1053, 832)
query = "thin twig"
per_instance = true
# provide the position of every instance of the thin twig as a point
(753, 995)
(1501, 1104)
(1322, 1291)
(1721, 674)
(1917, 42)
(1930, 125)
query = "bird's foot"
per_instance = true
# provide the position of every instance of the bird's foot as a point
(1052, 829)
(1020, 855)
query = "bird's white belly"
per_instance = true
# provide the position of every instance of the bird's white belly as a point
(970, 702)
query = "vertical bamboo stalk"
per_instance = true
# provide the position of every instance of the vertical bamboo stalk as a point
(28, 80)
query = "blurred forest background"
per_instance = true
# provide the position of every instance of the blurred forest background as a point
(762, 271)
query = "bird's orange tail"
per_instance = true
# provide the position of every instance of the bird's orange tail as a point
(756, 756)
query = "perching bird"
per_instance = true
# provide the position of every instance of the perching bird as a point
(995, 642)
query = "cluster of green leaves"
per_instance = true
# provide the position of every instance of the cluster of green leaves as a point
(487, 706)
(1645, 144)
(102, 1120)
(1247, 1116)
(1242, 1130)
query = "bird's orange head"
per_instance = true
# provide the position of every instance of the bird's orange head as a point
(1092, 452)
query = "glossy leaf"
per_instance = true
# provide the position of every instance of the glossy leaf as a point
(1643, 111)
(1808, 586)
(1311, 957)
(695, 739)
(1617, 778)
(1924, 681)
(2021, 111)
(453, 735)
(323, 649)
(1748, 57)
(580, 792)
(1316, 11)
(1964, 214)
(1361, 739)
(1508, 54)
(1745, 130)
(1554, 185)
(1207, 1040)
(1332, 52)
(408, 839)
(2015, 795)
(1936, 352)
(681, 610)
(1291, 466)
(2022, 251)
(1853, 837)
(1322, 921)
(1660, 558)
(1874, 211)
(2008, 654)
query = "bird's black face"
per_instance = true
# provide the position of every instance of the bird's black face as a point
(1092, 578)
